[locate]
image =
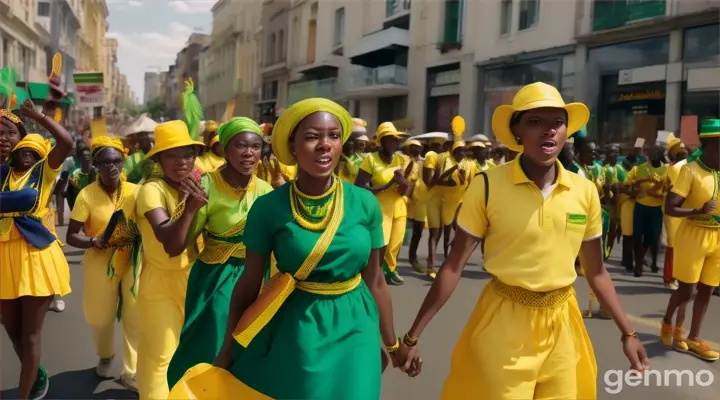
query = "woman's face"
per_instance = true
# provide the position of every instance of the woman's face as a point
(109, 162)
(360, 146)
(390, 144)
(542, 133)
(243, 152)
(317, 144)
(9, 137)
(480, 153)
(459, 153)
(414, 150)
(25, 159)
(178, 163)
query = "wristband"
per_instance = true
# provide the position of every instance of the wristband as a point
(393, 348)
(409, 341)
(632, 334)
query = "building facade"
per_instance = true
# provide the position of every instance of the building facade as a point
(65, 28)
(152, 87)
(271, 95)
(92, 51)
(110, 73)
(23, 39)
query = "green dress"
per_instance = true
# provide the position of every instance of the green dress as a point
(316, 346)
(215, 272)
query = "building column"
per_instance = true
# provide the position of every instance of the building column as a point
(673, 82)
(2, 50)
(468, 106)
(581, 74)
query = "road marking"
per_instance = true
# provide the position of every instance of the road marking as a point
(655, 323)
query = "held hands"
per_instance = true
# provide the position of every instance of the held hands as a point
(635, 353)
(194, 194)
(709, 207)
(407, 359)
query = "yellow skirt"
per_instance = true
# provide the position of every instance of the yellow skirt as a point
(205, 382)
(29, 271)
(523, 345)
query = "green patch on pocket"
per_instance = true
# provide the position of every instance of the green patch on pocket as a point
(577, 219)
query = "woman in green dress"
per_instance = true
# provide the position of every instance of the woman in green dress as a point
(232, 190)
(314, 330)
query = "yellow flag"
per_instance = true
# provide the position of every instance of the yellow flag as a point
(58, 115)
(98, 127)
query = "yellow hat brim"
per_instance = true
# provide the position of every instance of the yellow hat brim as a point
(477, 144)
(180, 143)
(578, 116)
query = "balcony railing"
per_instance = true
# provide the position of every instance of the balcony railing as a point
(326, 88)
(387, 75)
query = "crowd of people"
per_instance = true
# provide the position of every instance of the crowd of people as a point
(237, 253)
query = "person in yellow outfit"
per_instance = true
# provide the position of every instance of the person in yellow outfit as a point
(677, 153)
(213, 158)
(385, 173)
(526, 338)
(416, 205)
(480, 155)
(164, 207)
(455, 177)
(647, 181)
(696, 257)
(433, 205)
(106, 289)
(33, 267)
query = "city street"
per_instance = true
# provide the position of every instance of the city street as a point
(69, 357)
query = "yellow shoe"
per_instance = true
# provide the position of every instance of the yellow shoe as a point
(679, 343)
(432, 273)
(701, 350)
(418, 267)
(666, 335)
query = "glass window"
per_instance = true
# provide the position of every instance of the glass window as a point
(505, 17)
(701, 43)
(339, 26)
(523, 74)
(702, 104)
(638, 53)
(452, 27)
(529, 14)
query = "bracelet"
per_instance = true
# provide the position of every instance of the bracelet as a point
(632, 334)
(393, 348)
(409, 341)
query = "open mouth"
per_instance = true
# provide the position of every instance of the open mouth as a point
(247, 164)
(548, 146)
(324, 160)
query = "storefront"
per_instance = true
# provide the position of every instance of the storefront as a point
(701, 57)
(631, 110)
(501, 82)
(443, 101)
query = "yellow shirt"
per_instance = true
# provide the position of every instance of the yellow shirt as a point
(94, 208)
(652, 180)
(431, 159)
(671, 174)
(380, 172)
(155, 194)
(531, 239)
(697, 184)
(209, 162)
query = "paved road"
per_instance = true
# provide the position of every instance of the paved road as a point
(69, 356)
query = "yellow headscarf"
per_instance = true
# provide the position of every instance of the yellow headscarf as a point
(211, 126)
(4, 113)
(99, 142)
(35, 142)
(290, 119)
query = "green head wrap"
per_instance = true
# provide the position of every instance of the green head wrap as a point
(237, 125)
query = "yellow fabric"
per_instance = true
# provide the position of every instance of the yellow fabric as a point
(627, 210)
(416, 205)
(100, 303)
(209, 162)
(106, 141)
(387, 129)
(532, 96)
(380, 172)
(530, 241)
(171, 135)
(520, 346)
(638, 177)
(205, 382)
(671, 223)
(161, 298)
(394, 213)
(416, 210)
(457, 144)
(34, 141)
(697, 186)
(26, 270)
(431, 159)
(696, 254)
(294, 114)
(673, 141)
(412, 142)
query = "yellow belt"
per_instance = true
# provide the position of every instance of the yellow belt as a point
(705, 221)
(530, 299)
(8, 231)
(218, 252)
(330, 289)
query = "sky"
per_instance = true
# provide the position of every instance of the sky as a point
(150, 33)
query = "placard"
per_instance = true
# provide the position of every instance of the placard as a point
(90, 89)
(639, 143)
(662, 136)
(689, 130)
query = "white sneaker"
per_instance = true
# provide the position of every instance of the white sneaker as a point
(129, 382)
(103, 368)
(671, 285)
(57, 305)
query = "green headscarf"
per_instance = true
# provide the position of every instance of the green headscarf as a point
(237, 125)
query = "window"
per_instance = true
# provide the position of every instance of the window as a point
(529, 13)
(452, 27)
(339, 26)
(281, 46)
(271, 50)
(44, 9)
(505, 17)
(701, 43)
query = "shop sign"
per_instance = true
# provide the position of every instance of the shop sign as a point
(642, 95)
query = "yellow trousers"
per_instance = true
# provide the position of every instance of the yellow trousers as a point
(161, 304)
(394, 211)
(627, 208)
(100, 306)
(519, 344)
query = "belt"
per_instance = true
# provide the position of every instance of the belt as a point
(218, 252)
(706, 221)
(330, 289)
(530, 299)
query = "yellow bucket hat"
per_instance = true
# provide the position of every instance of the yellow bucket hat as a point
(387, 129)
(171, 135)
(532, 96)
(412, 142)
(477, 144)
(291, 117)
(673, 141)
(36, 142)
(456, 144)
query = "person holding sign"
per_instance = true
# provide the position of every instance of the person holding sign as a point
(385, 173)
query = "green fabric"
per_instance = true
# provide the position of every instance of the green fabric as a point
(78, 181)
(133, 173)
(605, 233)
(210, 287)
(316, 346)
(237, 125)
(614, 174)
(20, 96)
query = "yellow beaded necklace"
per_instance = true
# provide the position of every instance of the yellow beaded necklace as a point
(304, 214)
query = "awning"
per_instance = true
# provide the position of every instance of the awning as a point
(380, 48)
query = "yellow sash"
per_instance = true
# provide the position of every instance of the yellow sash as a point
(282, 284)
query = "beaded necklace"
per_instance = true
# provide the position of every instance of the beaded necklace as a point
(313, 212)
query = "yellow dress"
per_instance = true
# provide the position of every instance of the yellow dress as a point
(526, 339)
(416, 205)
(672, 223)
(433, 205)
(103, 287)
(453, 194)
(161, 298)
(26, 270)
(392, 203)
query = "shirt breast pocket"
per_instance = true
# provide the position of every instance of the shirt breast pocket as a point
(575, 225)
